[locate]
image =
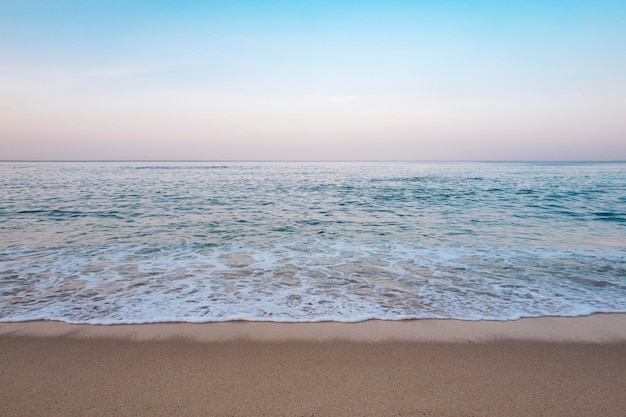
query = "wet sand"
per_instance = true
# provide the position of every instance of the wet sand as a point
(530, 367)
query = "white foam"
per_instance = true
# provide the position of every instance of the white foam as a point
(333, 280)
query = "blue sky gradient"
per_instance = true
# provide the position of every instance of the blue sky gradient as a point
(416, 80)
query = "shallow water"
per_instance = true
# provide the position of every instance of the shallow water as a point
(132, 242)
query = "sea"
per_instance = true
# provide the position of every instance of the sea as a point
(140, 242)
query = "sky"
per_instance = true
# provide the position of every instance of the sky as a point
(313, 80)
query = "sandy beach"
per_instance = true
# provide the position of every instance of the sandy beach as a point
(530, 367)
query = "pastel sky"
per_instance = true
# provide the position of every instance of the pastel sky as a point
(313, 80)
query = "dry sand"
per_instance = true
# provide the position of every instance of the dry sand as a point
(530, 367)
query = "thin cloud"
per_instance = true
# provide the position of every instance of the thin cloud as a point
(339, 99)
(111, 72)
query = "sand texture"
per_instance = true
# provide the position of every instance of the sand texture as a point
(65, 372)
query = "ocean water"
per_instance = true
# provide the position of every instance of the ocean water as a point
(136, 242)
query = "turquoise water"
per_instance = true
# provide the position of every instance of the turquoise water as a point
(134, 242)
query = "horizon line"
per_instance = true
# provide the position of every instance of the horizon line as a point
(331, 160)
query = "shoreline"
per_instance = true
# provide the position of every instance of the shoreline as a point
(551, 366)
(594, 328)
